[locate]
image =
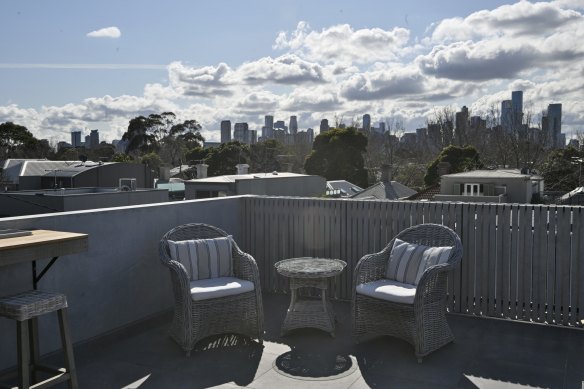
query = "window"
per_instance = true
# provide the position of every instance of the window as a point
(473, 190)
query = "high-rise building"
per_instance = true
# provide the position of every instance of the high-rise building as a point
(506, 114)
(554, 122)
(461, 126)
(382, 127)
(324, 126)
(253, 137)
(268, 128)
(225, 131)
(281, 125)
(241, 132)
(76, 138)
(517, 106)
(367, 122)
(293, 125)
(93, 139)
(310, 133)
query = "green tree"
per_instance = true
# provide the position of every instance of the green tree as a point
(561, 170)
(17, 141)
(152, 161)
(223, 159)
(460, 159)
(338, 155)
(162, 133)
(264, 156)
(120, 157)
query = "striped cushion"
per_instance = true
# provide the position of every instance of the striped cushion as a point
(204, 258)
(407, 261)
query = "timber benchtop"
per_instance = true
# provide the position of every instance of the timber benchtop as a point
(41, 244)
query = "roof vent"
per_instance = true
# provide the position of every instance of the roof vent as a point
(275, 173)
(127, 184)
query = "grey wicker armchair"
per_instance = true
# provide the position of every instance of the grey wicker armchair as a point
(421, 320)
(194, 320)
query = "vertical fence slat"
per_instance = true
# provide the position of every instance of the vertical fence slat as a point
(578, 269)
(491, 239)
(563, 262)
(539, 263)
(551, 265)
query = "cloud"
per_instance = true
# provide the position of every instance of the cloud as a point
(258, 103)
(518, 19)
(319, 99)
(341, 43)
(86, 66)
(108, 32)
(208, 81)
(288, 69)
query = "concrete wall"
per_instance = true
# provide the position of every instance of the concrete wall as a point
(287, 186)
(120, 279)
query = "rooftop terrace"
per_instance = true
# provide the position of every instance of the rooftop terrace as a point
(522, 265)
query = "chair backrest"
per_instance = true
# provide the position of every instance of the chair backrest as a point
(189, 231)
(435, 235)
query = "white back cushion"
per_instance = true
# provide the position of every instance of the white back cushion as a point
(204, 258)
(407, 261)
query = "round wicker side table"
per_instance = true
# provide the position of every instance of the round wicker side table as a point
(310, 272)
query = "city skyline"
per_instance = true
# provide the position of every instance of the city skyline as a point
(72, 67)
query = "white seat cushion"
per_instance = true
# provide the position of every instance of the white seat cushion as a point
(211, 288)
(389, 290)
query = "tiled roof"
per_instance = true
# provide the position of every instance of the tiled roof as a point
(426, 194)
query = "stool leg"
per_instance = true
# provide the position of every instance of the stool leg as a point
(34, 347)
(23, 354)
(67, 348)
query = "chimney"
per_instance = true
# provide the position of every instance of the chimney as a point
(201, 170)
(443, 168)
(164, 173)
(242, 168)
(385, 173)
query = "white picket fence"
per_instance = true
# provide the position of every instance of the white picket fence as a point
(522, 262)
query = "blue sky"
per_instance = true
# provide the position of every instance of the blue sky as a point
(241, 60)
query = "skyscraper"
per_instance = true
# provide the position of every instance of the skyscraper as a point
(310, 133)
(324, 126)
(293, 125)
(367, 122)
(76, 138)
(226, 131)
(382, 127)
(506, 114)
(241, 132)
(461, 125)
(517, 106)
(93, 139)
(268, 128)
(554, 118)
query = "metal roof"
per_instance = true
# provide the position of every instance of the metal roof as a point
(385, 191)
(57, 168)
(236, 177)
(490, 174)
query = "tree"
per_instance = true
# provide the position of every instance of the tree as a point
(264, 156)
(338, 155)
(152, 161)
(161, 133)
(561, 171)
(223, 159)
(17, 141)
(460, 159)
(119, 157)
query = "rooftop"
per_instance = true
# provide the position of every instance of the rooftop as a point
(236, 177)
(486, 354)
(491, 174)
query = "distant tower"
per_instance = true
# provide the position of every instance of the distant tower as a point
(253, 137)
(268, 128)
(506, 114)
(281, 125)
(382, 127)
(324, 126)
(293, 125)
(310, 133)
(93, 139)
(226, 131)
(517, 106)
(461, 125)
(76, 138)
(241, 132)
(367, 122)
(554, 122)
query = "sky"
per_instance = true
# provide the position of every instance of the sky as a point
(70, 65)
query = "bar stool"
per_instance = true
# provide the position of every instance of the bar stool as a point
(25, 308)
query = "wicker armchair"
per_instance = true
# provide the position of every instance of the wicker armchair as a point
(194, 320)
(423, 323)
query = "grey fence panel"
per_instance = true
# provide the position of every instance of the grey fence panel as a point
(521, 262)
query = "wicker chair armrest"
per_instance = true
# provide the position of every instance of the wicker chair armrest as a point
(432, 285)
(180, 282)
(246, 268)
(372, 267)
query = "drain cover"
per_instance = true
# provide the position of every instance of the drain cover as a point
(313, 366)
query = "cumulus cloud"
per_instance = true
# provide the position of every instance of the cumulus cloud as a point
(207, 81)
(343, 43)
(107, 32)
(521, 18)
(319, 99)
(257, 103)
(287, 69)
